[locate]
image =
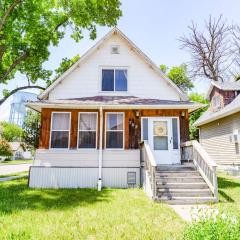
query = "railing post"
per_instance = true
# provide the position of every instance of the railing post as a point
(215, 183)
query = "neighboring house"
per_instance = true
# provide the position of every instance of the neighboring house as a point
(219, 126)
(97, 113)
(19, 152)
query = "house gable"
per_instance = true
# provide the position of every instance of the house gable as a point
(83, 79)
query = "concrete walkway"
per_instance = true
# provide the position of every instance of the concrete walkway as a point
(12, 178)
(190, 213)
(9, 169)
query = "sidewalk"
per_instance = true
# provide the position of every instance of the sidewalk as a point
(9, 169)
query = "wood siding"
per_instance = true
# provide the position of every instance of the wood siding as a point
(85, 80)
(132, 135)
(215, 138)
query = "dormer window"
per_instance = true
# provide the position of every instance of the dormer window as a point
(114, 80)
(216, 101)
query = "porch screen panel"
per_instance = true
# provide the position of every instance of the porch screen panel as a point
(114, 130)
(87, 130)
(175, 133)
(60, 129)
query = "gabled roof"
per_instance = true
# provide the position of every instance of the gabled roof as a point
(226, 86)
(115, 30)
(210, 116)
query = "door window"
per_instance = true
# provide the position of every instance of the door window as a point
(160, 135)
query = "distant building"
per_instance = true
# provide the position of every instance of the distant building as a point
(18, 109)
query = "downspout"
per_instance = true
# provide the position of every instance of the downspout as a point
(100, 153)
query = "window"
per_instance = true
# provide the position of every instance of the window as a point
(115, 49)
(60, 130)
(175, 133)
(144, 128)
(216, 101)
(114, 130)
(114, 80)
(87, 130)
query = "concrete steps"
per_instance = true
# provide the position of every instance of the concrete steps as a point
(181, 184)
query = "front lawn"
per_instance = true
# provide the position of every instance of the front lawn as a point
(83, 214)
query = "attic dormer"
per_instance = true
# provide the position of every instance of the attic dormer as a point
(221, 94)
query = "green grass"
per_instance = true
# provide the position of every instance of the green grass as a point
(83, 214)
(11, 162)
(229, 194)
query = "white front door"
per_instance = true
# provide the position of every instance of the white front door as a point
(163, 137)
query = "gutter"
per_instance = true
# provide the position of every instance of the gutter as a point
(100, 152)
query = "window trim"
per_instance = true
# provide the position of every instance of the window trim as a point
(113, 68)
(78, 130)
(105, 132)
(69, 131)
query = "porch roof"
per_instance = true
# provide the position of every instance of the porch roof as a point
(113, 102)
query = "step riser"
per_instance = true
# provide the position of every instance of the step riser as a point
(182, 186)
(175, 169)
(178, 174)
(179, 180)
(184, 194)
(184, 202)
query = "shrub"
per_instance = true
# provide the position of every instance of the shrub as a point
(11, 132)
(5, 148)
(218, 227)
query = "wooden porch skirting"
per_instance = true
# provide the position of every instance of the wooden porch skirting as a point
(81, 177)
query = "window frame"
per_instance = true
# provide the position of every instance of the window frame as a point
(105, 132)
(114, 68)
(78, 130)
(69, 131)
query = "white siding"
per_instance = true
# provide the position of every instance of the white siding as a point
(87, 158)
(65, 177)
(215, 138)
(143, 81)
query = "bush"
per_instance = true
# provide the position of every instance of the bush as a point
(5, 148)
(11, 132)
(218, 227)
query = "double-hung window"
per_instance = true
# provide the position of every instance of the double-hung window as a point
(60, 130)
(87, 130)
(114, 130)
(114, 80)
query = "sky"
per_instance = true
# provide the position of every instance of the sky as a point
(154, 26)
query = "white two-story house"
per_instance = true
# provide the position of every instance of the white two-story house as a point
(95, 116)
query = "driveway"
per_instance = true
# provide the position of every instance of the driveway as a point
(9, 169)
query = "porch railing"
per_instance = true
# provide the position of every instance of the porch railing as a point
(192, 150)
(149, 165)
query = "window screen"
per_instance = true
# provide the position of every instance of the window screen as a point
(60, 128)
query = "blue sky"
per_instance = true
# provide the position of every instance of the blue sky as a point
(154, 26)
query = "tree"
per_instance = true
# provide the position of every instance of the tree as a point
(5, 148)
(196, 97)
(31, 130)
(29, 27)
(179, 75)
(11, 132)
(64, 66)
(210, 49)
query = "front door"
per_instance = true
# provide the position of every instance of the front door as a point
(163, 137)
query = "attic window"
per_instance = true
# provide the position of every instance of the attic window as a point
(216, 101)
(115, 49)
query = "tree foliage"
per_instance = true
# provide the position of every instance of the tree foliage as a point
(29, 27)
(5, 148)
(65, 64)
(179, 75)
(11, 132)
(198, 98)
(31, 130)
